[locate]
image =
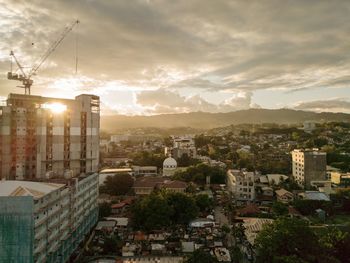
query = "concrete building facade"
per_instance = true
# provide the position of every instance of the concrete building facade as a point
(46, 221)
(47, 137)
(182, 145)
(241, 184)
(308, 165)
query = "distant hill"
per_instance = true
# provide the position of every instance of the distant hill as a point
(205, 120)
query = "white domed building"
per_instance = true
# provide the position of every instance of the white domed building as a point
(169, 166)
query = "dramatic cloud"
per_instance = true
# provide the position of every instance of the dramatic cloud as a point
(333, 105)
(232, 50)
(165, 101)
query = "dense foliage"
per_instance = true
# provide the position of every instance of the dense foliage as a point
(201, 256)
(199, 172)
(148, 159)
(119, 184)
(163, 209)
(292, 240)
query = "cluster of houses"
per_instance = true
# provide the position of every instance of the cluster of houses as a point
(171, 245)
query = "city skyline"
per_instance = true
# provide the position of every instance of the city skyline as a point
(150, 57)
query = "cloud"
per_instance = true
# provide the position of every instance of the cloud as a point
(240, 47)
(164, 101)
(332, 105)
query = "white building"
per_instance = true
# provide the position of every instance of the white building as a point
(308, 165)
(46, 221)
(169, 166)
(241, 184)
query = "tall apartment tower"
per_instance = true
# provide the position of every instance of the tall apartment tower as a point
(308, 165)
(44, 137)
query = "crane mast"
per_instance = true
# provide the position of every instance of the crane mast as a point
(26, 78)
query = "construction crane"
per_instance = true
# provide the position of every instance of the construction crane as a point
(25, 78)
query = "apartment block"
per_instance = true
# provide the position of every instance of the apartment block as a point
(44, 137)
(309, 165)
(183, 145)
(241, 184)
(45, 221)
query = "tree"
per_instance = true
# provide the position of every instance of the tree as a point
(236, 254)
(163, 209)
(287, 240)
(279, 209)
(119, 184)
(201, 256)
(336, 244)
(104, 210)
(203, 202)
(111, 244)
(198, 173)
(152, 212)
(183, 207)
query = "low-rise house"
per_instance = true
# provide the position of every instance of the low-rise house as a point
(267, 191)
(222, 254)
(145, 185)
(284, 196)
(157, 248)
(151, 259)
(249, 210)
(314, 195)
(202, 222)
(272, 179)
(120, 222)
(122, 206)
(253, 226)
(342, 179)
(129, 250)
(105, 226)
(187, 247)
(145, 170)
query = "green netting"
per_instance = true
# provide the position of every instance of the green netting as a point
(16, 229)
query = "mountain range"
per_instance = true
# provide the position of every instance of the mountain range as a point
(205, 120)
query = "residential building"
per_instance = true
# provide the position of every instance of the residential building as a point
(284, 196)
(48, 137)
(253, 226)
(146, 185)
(313, 195)
(45, 221)
(145, 170)
(242, 184)
(308, 165)
(184, 145)
(342, 179)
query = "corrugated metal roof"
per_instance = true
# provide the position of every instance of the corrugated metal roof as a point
(27, 188)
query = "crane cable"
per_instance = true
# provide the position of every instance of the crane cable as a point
(76, 49)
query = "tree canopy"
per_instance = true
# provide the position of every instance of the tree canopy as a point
(292, 240)
(201, 256)
(163, 209)
(119, 184)
(199, 172)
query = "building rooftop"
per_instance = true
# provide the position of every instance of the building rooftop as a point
(116, 170)
(314, 195)
(27, 188)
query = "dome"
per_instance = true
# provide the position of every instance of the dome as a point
(169, 163)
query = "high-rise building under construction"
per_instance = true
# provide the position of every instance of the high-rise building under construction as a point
(43, 137)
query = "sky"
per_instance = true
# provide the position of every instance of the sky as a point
(145, 57)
